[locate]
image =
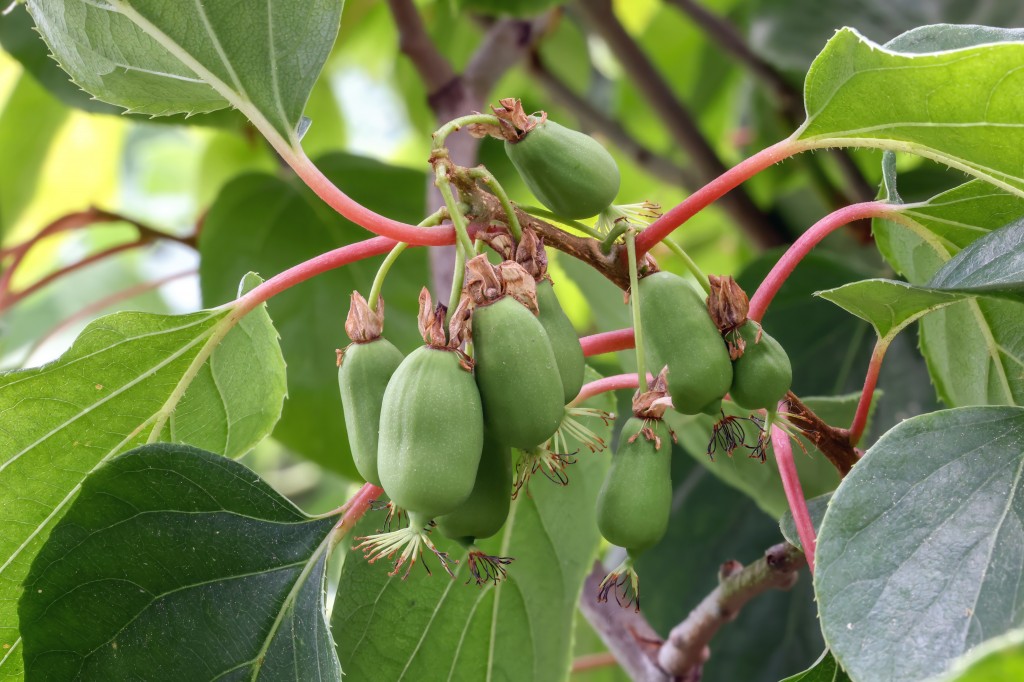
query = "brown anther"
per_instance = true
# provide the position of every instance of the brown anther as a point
(531, 255)
(362, 324)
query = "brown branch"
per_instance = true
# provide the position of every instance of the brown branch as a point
(416, 44)
(593, 119)
(678, 120)
(833, 442)
(685, 650)
(625, 632)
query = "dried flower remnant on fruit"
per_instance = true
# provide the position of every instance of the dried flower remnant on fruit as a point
(531, 255)
(431, 321)
(624, 584)
(497, 236)
(728, 306)
(487, 568)
(545, 461)
(651, 405)
(513, 121)
(362, 324)
(487, 284)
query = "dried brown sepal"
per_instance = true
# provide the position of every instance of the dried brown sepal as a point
(513, 122)
(531, 255)
(460, 324)
(497, 236)
(362, 324)
(728, 306)
(431, 321)
(653, 403)
(339, 355)
(519, 284)
(482, 282)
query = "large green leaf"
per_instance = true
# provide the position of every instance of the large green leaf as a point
(890, 306)
(815, 507)
(1000, 659)
(675, 576)
(920, 552)
(159, 58)
(263, 223)
(948, 93)
(433, 627)
(117, 386)
(177, 564)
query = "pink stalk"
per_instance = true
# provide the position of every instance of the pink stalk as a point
(615, 382)
(368, 248)
(607, 342)
(802, 246)
(355, 508)
(860, 419)
(362, 216)
(794, 493)
(693, 204)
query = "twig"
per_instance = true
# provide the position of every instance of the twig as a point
(685, 649)
(677, 119)
(625, 632)
(832, 442)
(415, 43)
(593, 119)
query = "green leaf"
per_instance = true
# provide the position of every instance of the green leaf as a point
(159, 58)
(890, 306)
(264, 223)
(709, 525)
(431, 627)
(1000, 659)
(992, 265)
(175, 563)
(919, 551)
(825, 669)
(816, 508)
(28, 124)
(956, 103)
(118, 385)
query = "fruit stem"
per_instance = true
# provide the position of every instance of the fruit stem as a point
(442, 133)
(356, 212)
(382, 272)
(607, 342)
(791, 486)
(613, 234)
(575, 224)
(693, 204)
(808, 240)
(634, 300)
(692, 266)
(353, 510)
(458, 276)
(860, 419)
(485, 175)
(458, 218)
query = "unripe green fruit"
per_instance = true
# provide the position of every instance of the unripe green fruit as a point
(517, 374)
(569, 172)
(564, 341)
(763, 374)
(431, 433)
(678, 332)
(635, 501)
(363, 376)
(484, 512)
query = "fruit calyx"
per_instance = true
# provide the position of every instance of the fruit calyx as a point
(487, 284)
(651, 405)
(513, 122)
(431, 323)
(362, 324)
(728, 306)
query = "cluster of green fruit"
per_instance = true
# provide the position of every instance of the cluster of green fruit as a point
(437, 429)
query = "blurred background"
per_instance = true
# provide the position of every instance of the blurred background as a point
(678, 90)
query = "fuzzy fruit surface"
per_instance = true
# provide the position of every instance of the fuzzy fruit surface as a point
(564, 341)
(517, 374)
(363, 376)
(431, 433)
(568, 171)
(763, 374)
(484, 512)
(636, 499)
(678, 332)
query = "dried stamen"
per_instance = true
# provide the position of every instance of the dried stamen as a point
(624, 584)
(408, 543)
(487, 568)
